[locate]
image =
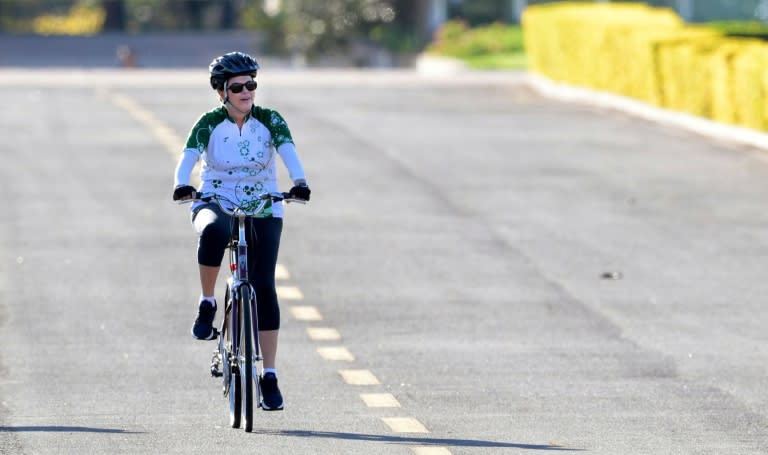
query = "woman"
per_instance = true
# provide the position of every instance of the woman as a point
(237, 143)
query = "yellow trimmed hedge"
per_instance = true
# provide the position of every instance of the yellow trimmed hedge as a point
(81, 20)
(650, 54)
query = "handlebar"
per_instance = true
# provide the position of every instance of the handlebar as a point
(247, 207)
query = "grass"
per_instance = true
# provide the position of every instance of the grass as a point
(495, 46)
(507, 61)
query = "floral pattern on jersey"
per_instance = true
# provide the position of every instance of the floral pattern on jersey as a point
(239, 164)
(243, 146)
(276, 125)
(249, 203)
(279, 129)
(200, 135)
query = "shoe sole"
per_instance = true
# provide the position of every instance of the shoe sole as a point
(212, 336)
(265, 408)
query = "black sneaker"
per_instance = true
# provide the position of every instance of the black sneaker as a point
(271, 398)
(203, 328)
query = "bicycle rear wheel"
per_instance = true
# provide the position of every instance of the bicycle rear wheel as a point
(231, 374)
(246, 355)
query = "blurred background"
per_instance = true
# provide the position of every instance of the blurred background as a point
(359, 33)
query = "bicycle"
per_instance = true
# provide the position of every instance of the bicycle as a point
(237, 356)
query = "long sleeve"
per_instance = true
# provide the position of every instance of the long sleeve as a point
(288, 153)
(185, 165)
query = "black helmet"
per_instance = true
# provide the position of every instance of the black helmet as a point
(229, 65)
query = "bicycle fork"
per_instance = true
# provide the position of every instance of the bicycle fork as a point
(224, 357)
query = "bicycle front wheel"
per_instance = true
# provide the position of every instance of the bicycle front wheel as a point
(231, 370)
(246, 355)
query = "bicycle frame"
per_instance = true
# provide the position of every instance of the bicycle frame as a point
(238, 266)
(236, 352)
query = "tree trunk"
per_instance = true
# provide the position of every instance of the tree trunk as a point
(115, 15)
(227, 20)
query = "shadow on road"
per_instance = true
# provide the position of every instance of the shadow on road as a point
(413, 440)
(63, 429)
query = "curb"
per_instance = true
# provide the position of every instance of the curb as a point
(430, 65)
(700, 125)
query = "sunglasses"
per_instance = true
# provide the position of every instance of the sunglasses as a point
(238, 87)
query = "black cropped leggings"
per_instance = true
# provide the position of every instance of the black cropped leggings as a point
(215, 228)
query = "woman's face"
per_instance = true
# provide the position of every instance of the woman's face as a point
(242, 100)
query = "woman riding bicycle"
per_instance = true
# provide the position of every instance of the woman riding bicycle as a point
(237, 143)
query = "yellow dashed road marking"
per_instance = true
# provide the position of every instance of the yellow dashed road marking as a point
(306, 313)
(404, 425)
(159, 129)
(323, 334)
(289, 293)
(430, 451)
(359, 377)
(172, 142)
(340, 353)
(281, 273)
(380, 400)
(336, 353)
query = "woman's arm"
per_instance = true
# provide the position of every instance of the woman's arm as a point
(291, 160)
(187, 161)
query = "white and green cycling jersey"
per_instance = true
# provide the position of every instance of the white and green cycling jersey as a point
(239, 162)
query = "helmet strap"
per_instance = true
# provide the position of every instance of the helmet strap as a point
(226, 100)
(226, 94)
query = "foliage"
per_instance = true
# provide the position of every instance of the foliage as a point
(81, 19)
(741, 28)
(456, 39)
(651, 55)
(147, 15)
(513, 60)
(73, 16)
(495, 46)
(310, 27)
(17, 16)
(395, 38)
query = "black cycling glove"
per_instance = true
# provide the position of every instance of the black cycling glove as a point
(182, 191)
(300, 191)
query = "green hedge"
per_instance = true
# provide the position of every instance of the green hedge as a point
(744, 29)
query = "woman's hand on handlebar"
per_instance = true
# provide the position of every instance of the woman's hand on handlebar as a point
(300, 191)
(184, 192)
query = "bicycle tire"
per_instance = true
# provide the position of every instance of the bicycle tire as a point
(246, 345)
(232, 375)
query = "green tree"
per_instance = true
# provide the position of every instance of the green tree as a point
(309, 27)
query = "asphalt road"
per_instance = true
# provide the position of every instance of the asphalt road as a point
(519, 275)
